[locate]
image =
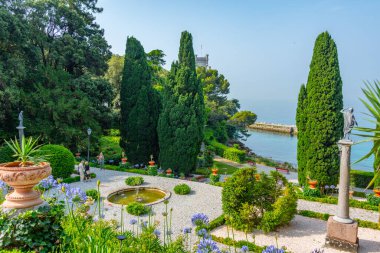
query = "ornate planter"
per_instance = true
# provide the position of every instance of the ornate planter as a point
(377, 192)
(350, 194)
(214, 172)
(169, 172)
(312, 184)
(152, 163)
(124, 160)
(257, 177)
(23, 179)
(77, 155)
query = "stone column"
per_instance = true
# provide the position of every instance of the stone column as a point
(342, 232)
(343, 215)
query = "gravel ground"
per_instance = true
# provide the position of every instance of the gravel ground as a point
(203, 198)
(303, 235)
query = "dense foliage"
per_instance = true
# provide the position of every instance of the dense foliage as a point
(302, 142)
(110, 146)
(36, 230)
(61, 160)
(181, 122)
(6, 154)
(182, 189)
(93, 193)
(140, 106)
(134, 181)
(360, 178)
(324, 127)
(247, 196)
(52, 56)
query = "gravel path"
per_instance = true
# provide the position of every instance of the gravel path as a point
(204, 198)
(303, 235)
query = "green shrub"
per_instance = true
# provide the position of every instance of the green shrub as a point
(360, 194)
(312, 214)
(111, 149)
(238, 244)
(61, 160)
(214, 178)
(219, 221)
(361, 179)
(137, 171)
(136, 208)
(70, 180)
(35, 230)
(311, 192)
(373, 200)
(182, 189)
(152, 170)
(6, 154)
(232, 154)
(245, 194)
(93, 193)
(133, 181)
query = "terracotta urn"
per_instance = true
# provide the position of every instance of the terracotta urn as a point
(214, 171)
(312, 184)
(124, 160)
(257, 177)
(350, 194)
(169, 172)
(23, 179)
(377, 192)
(77, 155)
(152, 163)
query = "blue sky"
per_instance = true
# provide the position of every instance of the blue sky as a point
(263, 48)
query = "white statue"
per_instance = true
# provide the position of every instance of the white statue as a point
(349, 122)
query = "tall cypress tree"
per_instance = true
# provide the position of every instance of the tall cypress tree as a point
(181, 123)
(139, 104)
(301, 120)
(324, 120)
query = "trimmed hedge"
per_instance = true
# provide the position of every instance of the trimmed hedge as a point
(6, 154)
(136, 208)
(229, 153)
(70, 180)
(361, 179)
(182, 189)
(238, 244)
(61, 160)
(133, 181)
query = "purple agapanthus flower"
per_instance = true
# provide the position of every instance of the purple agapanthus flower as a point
(73, 194)
(48, 183)
(244, 249)
(199, 219)
(203, 233)
(272, 249)
(157, 232)
(207, 246)
(332, 186)
(133, 221)
(327, 187)
(187, 230)
(3, 186)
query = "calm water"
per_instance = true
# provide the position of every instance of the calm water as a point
(284, 148)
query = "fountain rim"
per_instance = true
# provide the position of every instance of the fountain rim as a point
(167, 194)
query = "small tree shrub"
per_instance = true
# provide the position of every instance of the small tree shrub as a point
(311, 192)
(93, 193)
(137, 209)
(111, 149)
(373, 200)
(214, 178)
(35, 230)
(182, 189)
(61, 160)
(247, 196)
(133, 181)
(6, 154)
(152, 170)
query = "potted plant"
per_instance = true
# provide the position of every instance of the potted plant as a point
(214, 171)
(24, 173)
(169, 172)
(312, 183)
(124, 159)
(77, 154)
(376, 190)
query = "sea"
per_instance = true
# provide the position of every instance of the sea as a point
(283, 147)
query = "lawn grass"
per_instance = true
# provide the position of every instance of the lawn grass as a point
(225, 168)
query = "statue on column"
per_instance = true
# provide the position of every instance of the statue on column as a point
(21, 118)
(349, 122)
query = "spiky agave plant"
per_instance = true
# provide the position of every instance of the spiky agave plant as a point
(27, 152)
(372, 94)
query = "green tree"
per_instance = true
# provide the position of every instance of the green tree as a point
(302, 144)
(140, 106)
(324, 119)
(114, 75)
(181, 123)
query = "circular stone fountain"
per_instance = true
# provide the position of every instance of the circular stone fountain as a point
(145, 195)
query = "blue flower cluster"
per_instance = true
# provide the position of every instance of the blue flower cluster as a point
(203, 233)
(207, 246)
(187, 230)
(133, 221)
(72, 194)
(272, 249)
(199, 219)
(244, 249)
(3, 187)
(48, 183)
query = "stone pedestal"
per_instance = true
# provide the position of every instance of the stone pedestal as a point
(342, 235)
(342, 232)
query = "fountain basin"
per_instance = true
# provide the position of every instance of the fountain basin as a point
(146, 195)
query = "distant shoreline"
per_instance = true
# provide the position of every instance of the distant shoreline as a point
(272, 127)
